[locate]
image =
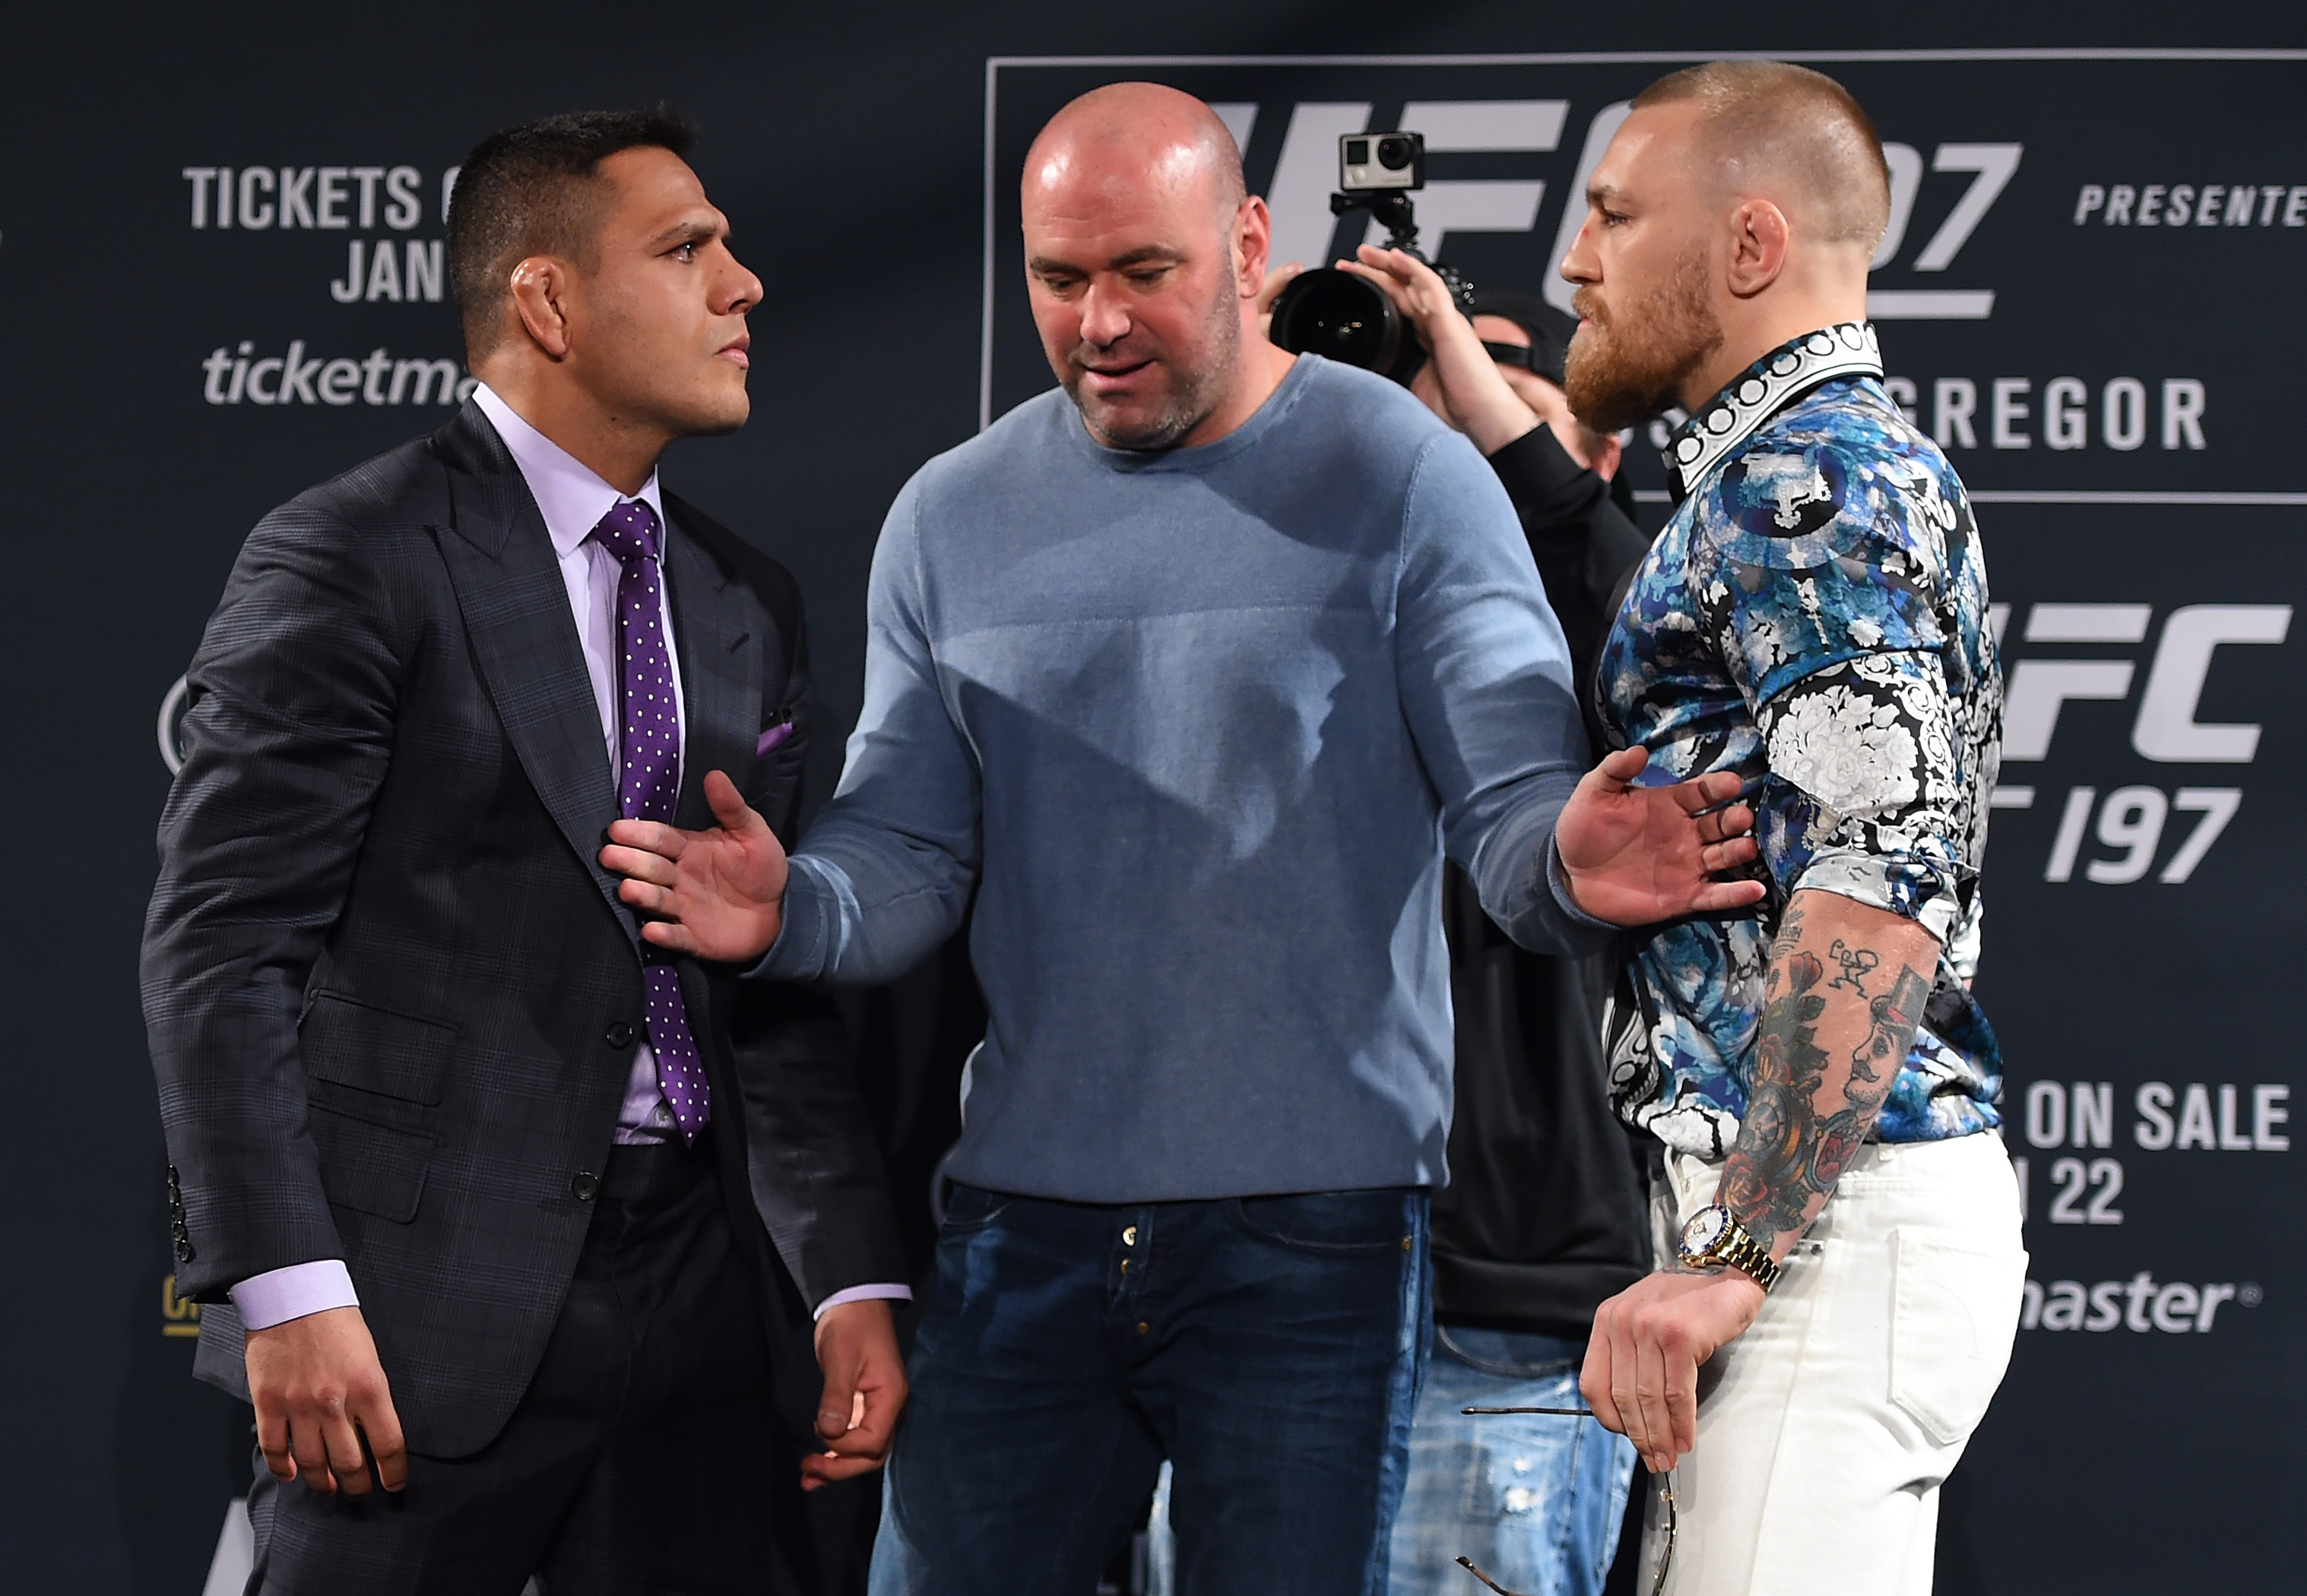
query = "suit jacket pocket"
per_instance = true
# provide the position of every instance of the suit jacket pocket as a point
(372, 1167)
(376, 1049)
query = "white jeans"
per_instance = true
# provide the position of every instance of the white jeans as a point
(1825, 1431)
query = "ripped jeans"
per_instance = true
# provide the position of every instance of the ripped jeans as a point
(1535, 1500)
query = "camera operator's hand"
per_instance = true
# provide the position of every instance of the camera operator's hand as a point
(1475, 398)
(1270, 290)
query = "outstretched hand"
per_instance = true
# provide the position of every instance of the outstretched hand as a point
(1636, 855)
(717, 894)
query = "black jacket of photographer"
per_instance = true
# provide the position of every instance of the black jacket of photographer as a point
(1545, 1216)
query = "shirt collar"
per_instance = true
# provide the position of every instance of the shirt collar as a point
(1725, 421)
(571, 497)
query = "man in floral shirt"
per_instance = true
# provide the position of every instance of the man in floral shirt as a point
(1837, 1225)
(1814, 618)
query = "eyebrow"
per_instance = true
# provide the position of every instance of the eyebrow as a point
(1142, 256)
(1597, 192)
(689, 231)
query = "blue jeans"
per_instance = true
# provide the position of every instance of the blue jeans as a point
(1535, 1500)
(1269, 1347)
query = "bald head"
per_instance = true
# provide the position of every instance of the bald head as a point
(1136, 142)
(1144, 257)
(1790, 136)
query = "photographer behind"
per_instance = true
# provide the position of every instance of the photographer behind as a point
(1544, 1217)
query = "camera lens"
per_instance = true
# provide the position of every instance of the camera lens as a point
(1394, 153)
(1339, 317)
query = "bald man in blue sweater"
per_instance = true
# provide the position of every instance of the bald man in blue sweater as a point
(1194, 671)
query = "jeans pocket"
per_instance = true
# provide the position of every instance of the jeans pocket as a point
(1954, 1316)
(1510, 1354)
(1329, 1222)
(970, 1208)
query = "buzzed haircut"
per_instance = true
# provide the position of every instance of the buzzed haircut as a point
(536, 190)
(1772, 116)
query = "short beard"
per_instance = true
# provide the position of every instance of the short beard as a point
(1196, 394)
(1627, 366)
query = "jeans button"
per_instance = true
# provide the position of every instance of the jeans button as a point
(584, 1186)
(620, 1036)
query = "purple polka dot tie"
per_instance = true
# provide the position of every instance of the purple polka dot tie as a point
(649, 752)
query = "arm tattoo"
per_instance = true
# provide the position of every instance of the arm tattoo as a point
(1790, 1148)
(1855, 961)
(1762, 1181)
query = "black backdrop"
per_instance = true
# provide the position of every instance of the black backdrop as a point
(2146, 535)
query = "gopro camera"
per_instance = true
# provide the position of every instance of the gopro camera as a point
(1344, 317)
(1368, 162)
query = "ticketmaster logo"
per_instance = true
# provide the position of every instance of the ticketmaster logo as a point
(2139, 1304)
(238, 376)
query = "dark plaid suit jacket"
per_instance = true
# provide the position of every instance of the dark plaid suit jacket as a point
(391, 994)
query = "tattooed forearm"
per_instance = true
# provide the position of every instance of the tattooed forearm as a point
(1826, 1055)
(1894, 1015)
(1762, 1182)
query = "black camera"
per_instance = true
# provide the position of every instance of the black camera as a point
(1345, 317)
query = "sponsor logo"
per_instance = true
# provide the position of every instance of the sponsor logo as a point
(2141, 1305)
(2165, 727)
(180, 1316)
(382, 265)
(239, 375)
(171, 727)
(1304, 229)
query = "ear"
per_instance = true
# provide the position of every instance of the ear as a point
(1758, 246)
(1607, 458)
(1253, 243)
(540, 294)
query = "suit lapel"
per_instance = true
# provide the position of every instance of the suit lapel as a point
(716, 628)
(516, 609)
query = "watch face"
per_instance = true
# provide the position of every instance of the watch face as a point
(1705, 1231)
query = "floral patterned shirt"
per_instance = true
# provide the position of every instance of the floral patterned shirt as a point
(1812, 617)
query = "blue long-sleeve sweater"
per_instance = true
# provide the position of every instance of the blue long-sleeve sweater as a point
(1199, 725)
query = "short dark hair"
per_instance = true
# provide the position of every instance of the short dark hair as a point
(534, 190)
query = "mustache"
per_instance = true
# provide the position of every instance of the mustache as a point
(1587, 306)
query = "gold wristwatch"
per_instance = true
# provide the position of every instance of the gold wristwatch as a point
(1714, 1236)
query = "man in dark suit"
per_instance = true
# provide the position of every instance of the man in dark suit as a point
(512, 1205)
